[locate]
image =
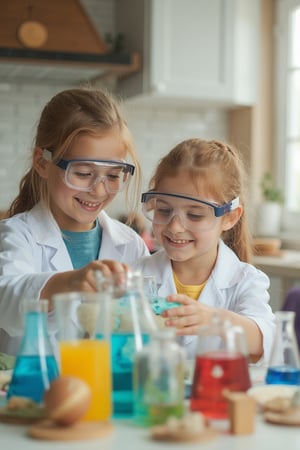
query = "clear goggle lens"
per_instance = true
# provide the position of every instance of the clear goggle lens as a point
(85, 175)
(193, 215)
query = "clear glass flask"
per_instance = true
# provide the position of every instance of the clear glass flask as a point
(284, 364)
(221, 365)
(84, 346)
(36, 365)
(158, 380)
(132, 323)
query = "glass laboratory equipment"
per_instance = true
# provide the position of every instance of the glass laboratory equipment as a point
(284, 364)
(35, 365)
(221, 365)
(132, 323)
(158, 379)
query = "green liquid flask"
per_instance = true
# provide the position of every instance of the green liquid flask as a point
(158, 380)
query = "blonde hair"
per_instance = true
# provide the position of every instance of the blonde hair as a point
(66, 116)
(220, 167)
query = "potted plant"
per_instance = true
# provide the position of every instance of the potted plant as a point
(270, 209)
(270, 192)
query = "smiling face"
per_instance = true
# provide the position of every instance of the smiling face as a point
(77, 210)
(180, 243)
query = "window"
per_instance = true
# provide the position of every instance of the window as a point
(287, 70)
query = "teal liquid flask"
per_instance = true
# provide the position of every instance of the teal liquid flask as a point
(36, 365)
(132, 323)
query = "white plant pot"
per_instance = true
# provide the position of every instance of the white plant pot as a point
(268, 219)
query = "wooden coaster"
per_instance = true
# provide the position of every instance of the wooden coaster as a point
(290, 417)
(48, 430)
(163, 433)
(21, 416)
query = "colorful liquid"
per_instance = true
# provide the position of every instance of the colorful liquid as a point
(160, 304)
(214, 373)
(90, 361)
(156, 414)
(283, 375)
(32, 376)
(123, 349)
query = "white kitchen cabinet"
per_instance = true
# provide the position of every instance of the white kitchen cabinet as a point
(192, 50)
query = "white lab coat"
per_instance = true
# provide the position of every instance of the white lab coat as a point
(232, 285)
(32, 250)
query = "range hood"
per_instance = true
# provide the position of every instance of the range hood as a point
(56, 42)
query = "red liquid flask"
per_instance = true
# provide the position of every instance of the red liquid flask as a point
(221, 365)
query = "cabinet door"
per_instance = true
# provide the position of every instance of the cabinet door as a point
(202, 49)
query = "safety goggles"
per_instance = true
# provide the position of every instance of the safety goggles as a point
(194, 214)
(85, 174)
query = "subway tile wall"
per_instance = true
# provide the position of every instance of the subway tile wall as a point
(155, 130)
(20, 107)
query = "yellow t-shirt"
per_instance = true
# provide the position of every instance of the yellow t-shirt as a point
(191, 290)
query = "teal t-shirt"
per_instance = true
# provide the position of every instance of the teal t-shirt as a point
(83, 246)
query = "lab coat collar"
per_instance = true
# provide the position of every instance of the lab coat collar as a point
(48, 234)
(44, 225)
(114, 236)
(225, 274)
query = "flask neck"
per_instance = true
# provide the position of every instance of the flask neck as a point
(132, 310)
(35, 338)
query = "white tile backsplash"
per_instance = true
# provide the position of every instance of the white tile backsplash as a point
(155, 131)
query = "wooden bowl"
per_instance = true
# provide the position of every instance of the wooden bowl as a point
(266, 246)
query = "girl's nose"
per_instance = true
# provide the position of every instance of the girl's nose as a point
(176, 223)
(99, 187)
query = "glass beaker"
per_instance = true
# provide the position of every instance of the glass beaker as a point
(84, 346)
(150, 286)
(157, 303)
(158, 379)
(284, 364)
(132, 323)
(35, 365)
(221, 365)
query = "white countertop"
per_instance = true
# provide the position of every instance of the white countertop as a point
(126, 436)
(285, 264)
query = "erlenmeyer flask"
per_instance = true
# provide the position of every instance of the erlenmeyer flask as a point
(284, 364)
(221, 365)
(35, 366)
(132, 323)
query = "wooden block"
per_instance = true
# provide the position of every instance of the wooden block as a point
(242, 408)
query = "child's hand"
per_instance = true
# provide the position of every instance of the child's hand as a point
(188, 317)
(84, 279)
(81, 279)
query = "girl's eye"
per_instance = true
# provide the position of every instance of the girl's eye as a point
(198, 214)
(196, 217)
(164, 211)
(112, 177)
(83, 174)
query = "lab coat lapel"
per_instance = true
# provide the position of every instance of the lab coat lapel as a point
(49, 236)
(113, 240)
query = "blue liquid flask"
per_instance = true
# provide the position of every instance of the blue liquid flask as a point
(284, 365)
(35, 365)
(132, 323)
